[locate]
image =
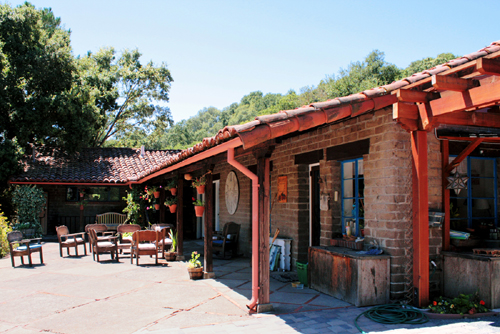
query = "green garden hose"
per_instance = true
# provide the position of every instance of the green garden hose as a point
(393, 314)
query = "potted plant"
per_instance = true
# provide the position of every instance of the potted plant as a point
(171, 254)
(195, 269)
(199, 184)
(199, 207)
(172, 186)
(29, 202)
(156, 191)
(171, 203)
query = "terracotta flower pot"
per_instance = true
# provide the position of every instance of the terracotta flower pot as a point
(173, 191)
(170, 256)
(156, 194)
(157, 206)
(198, 209)
(195, 273)
(200, 189)
(81, 207)
(173, 208)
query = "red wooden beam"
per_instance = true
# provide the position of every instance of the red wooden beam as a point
(405, 110)
(420, 217)
(445, 156)
(468, 150)
(455, 84)
(209, 224)
(426, 117)
(470, 118)
(488, 66)
(470, 99)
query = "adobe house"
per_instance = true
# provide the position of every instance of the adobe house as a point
(101, 175)
(378, 161)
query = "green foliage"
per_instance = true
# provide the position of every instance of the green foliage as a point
(29, 202)
(426, 63)
(173, 237)
(462, 304)
(4, 229)
(172, 183)
(171, 200)
(199, 181)
(193, 261)
(133, 208)
(198, 202)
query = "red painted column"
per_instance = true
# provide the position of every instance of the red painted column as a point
(445, 154)
(420, 217)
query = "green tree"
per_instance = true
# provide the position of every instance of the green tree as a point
(426, 63)
(126, 93)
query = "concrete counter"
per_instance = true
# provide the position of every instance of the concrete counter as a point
(359, 279)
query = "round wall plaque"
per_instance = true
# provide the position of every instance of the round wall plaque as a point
(232, 192)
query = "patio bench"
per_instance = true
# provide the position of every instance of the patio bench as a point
(111, 219)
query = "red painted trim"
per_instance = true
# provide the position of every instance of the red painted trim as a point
(71, 183)
(445, 156)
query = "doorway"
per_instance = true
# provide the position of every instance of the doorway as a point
(314, 211)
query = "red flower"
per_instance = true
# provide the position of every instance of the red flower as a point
(434, 303)
(193, 198)
(482, 302)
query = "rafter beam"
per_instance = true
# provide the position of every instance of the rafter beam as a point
(470, 118)
(488, 66)
(405, 110)
(442, 82)
(406, 95)
(470, 99)
(426, 117)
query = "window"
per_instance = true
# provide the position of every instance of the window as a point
(476, 206)
(352, 191)
(93, 194)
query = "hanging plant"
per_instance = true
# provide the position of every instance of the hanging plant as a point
(172, 186)
(199, 184)
(171, 203)
(199, 207)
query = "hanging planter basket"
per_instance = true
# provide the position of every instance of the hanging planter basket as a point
(199, 210)
(157, 206)
(200, 189)
(173, 191)
(156, 194)
(173, 208)
(195, 273)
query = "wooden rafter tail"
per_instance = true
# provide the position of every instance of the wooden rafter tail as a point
(426, 117)
(488, 66)
(406, 95)
(443, 82)
(405, 110)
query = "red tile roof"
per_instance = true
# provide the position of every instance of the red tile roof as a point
(94, 165)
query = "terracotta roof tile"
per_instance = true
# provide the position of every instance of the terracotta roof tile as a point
(94, 165)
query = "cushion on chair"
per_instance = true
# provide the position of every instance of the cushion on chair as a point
(23, 248)
(105, 244)
(167, 241)
(219, 242)
(147, 247)
(71, 241)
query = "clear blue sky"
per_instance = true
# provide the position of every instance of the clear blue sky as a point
(219, 51)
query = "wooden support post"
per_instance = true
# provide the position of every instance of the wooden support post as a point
(180, 218)
(209, 224)
(263, 172)
(420, 217)
(162, 207)
(445, 156)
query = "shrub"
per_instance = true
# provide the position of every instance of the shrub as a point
(4, 229)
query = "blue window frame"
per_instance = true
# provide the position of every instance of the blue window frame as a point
(352, 195)
(476, 206)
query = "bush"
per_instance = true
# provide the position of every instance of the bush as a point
(462, 304)
(29, 202)
(4, 229)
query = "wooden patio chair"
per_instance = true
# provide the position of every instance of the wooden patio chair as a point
(126, 242)
(20, 247)
(144, 243)
(70, 240)
(227, 241)
(109, 245)
(101, 232)
(165, 242)
(111, 219)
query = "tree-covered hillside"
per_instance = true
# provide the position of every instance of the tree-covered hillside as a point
(372, 72)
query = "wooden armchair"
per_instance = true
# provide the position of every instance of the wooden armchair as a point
(227, 241)
(126, 242)
(25, 247)
(70, 240)
(101, 230)
(111, 219)
(144, 243)
(165, 242)
(109, 245)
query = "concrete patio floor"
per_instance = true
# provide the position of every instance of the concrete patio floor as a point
(78, 295)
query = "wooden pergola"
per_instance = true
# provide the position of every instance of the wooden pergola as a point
(467, 95)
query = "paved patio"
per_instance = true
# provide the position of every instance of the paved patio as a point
(78, 295)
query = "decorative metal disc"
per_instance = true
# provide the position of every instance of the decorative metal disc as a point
(232, 192)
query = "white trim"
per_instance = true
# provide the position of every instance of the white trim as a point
(217, 204)
(310, 202)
